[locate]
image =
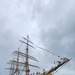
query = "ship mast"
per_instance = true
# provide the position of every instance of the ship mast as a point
(17, 73)
(26, 63)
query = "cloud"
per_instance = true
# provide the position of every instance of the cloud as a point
(57, 25)
(56, 21)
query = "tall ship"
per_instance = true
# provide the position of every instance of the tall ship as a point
(19, 67)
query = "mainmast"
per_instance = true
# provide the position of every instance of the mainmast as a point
(26, 63)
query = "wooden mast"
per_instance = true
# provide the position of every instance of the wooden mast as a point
(26, 63)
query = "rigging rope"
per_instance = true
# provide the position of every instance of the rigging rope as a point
(45, 49)
(20, 46)
(60, 68)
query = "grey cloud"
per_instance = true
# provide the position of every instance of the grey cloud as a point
(57, 25)
(56, 22)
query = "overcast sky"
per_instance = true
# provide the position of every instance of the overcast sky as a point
(49, 23)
